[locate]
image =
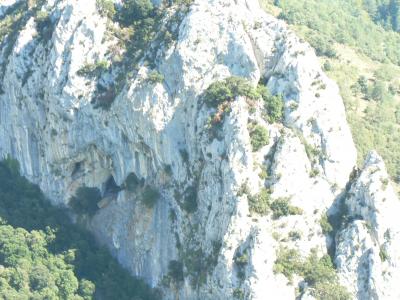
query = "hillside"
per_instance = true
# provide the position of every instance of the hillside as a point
(364, 59)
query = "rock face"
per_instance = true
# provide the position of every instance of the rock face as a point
(367, 252)
(158, 132)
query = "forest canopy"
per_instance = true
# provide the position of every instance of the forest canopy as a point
(44, 256)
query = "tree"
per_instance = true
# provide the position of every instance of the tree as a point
(85, 200)
(259, 137)
(44, 256)
(136, 10)
(86, 289)
(378, 91)
(106, 8)
(228, 89)
(272, 104)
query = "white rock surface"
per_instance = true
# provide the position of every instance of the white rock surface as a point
(367, 252)
(158, 131)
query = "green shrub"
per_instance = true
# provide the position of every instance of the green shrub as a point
(378, 91)
(383, 253)
(93, 70)
(259, 137)
(319, 273)
(272, 104)
(295, 235)
(155, 77)
(330, 291)
(288, 262)
(150, 196)
(385, 72)
(197, 266)
(316, 269)
(242, 259)
(106, 8)
(227, 90)
(85, 200)
(327, 66)
(314, 172)
(259, 203)
(136, 10)
(281, 207)
(263, 173)
(325, 225)
(238, 294)
(361, 86)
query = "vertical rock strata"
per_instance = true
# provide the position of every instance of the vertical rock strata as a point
(158, 132)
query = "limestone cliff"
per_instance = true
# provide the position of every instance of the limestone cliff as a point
(157, 131)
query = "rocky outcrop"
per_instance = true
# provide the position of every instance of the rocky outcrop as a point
(159, 132)
(367, 252)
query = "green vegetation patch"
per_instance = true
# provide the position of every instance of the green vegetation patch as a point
(85, 200)
(93, 70)
(155, 77)
(319, 273)
(241, 261)
(106, 8)
(259, 137)
(346, 22)
(273, 104)
(228, 89)
(325, 225)
(260, 203)
(281, 207)
(44, 256)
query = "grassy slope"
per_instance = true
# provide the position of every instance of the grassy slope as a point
(362, 49)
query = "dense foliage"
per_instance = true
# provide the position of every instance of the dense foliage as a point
(341, 21)
(319, 273)
(273, 104)
(228, 89)
(44, 256)
(260, 203)
(281, 207)
(259, 137)
(85, 201)
(385, 12)
(136, 10)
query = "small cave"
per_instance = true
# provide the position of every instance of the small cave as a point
(132, 182)
(78, 168)
(111, 188)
